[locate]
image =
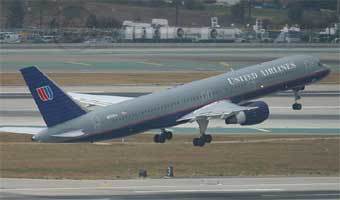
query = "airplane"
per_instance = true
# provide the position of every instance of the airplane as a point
(227, 97)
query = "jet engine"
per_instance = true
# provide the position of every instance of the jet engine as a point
(250, 117)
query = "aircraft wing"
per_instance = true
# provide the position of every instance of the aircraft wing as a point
(97, 100)
(22, 130)
(217, 110)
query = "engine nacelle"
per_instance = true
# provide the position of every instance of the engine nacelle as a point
(250, 117)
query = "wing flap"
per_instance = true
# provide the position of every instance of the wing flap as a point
(217, 110)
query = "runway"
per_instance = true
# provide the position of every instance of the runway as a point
(186, 188)
(320, 114)
(316, 195)
(334, 93)
(154, 59)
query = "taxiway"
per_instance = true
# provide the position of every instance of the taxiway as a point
(186, 188)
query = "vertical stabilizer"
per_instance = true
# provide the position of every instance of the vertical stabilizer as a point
(54, 104)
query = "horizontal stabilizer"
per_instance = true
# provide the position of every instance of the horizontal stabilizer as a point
(97, 100)
(70, 134)
(21, 130)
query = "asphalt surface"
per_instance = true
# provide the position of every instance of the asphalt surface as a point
(154, 59)
(186, 188)
(315, 195)
(320, 114)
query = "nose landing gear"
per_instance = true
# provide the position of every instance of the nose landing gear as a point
(297, 106)
(297, 96)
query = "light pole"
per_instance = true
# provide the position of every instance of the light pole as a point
(249, 10)
(338, 10)
(177, 7)
(178, 3)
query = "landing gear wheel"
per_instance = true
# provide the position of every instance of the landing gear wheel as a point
(162, 138)
(207, 138)
(195, 142)
(168, 135)
(198, 142)
(297, 106)
(156, 138)
(159, 138)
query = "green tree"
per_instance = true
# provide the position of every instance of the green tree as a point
(53, 23)
(277, 3)
(107, 22)
(91, 21)
(16, 14)
(156, 3)
(193, 4)
(295, 11)
(237, 12)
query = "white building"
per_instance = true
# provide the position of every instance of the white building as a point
(227, 2)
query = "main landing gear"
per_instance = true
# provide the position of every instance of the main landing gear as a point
(163, 136)
(297, 96)
(204, 138)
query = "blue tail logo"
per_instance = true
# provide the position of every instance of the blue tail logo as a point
(54, 104)
(45, 93)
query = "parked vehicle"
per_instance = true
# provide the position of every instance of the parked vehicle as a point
(10, 37)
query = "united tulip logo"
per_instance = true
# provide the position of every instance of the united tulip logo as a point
(45, 93)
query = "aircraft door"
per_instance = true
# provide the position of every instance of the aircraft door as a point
(308, 65)
(96, 123)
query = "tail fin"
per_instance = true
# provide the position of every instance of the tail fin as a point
(54, 105)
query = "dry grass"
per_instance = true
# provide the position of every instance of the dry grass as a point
(161, 78)
(245, 156)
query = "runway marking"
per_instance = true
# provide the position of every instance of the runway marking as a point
(262, 130)
(131, 187)
(269, 140)
(83, 188)
(225, 64)
(301, 195)
(190, 143)
(78, 63)
(308, 107)
(211, 190)
(103, 143)
(231, 142)
(150, 63)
